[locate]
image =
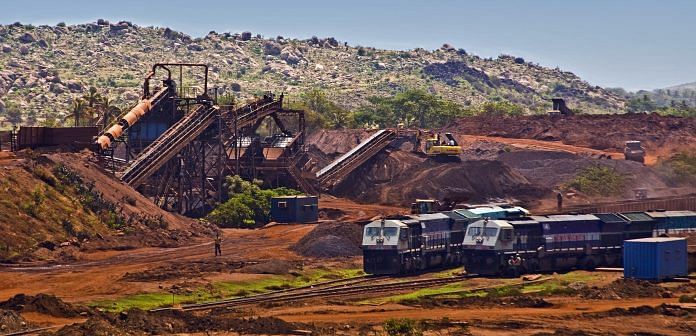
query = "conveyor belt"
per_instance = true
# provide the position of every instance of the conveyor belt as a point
(346, 163)
(169, 144)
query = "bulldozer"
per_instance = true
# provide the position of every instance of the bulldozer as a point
(435, 146)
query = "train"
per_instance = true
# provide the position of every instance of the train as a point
(409, 243)
(508, 241)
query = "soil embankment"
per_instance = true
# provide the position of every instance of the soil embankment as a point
(660, 135)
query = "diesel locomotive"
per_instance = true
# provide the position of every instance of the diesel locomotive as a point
(404, 244)
(508, 241)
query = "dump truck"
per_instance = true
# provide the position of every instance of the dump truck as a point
(447, 146)
(634, 151)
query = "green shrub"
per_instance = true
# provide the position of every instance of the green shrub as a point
(247, 204)
(402, 327)
(686, 298)
(598, 180)
(680, 169)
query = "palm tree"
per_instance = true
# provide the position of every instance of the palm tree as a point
(108, 110)
(92, 97)
(77, 110)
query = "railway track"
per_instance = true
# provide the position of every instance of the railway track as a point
(337, 288)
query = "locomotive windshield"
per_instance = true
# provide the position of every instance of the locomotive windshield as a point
(373, 231)
(390, 231)
(482, 231)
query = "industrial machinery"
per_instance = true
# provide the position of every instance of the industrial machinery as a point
(177, 145)
(436, 146)
(496, 240)
(559, 108)
(634, 151)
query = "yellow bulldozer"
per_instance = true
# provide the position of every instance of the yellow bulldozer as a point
(436, 146)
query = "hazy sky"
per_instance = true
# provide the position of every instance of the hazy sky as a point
(636, 44)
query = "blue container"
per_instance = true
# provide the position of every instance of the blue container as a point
(295, 209)
(655, 258)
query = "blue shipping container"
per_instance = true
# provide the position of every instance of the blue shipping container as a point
(295, 209)
(655, 258)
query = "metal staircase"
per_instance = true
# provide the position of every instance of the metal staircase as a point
(337, 170)
(168, 144)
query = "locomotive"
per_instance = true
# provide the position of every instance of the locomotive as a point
(404, 244)
(508, 241)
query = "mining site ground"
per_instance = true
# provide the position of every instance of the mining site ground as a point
(107, 283)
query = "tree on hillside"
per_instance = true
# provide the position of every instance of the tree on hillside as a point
(335, 116)
(77, 111)
(108, 110)
(499, 109)
(14, 113)
(412, 108)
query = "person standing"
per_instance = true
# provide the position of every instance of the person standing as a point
(218, 242)
(559, 201)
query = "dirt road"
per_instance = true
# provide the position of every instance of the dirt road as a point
(552, 146)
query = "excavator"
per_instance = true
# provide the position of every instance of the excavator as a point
(435, 146)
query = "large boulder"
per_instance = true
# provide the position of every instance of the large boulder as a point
(246, 36)
(291, 55)
(27, 38)
(23, 50)
(195, 47)
(74, 86)
(271, 48)
(6, 48)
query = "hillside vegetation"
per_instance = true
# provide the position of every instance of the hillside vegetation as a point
(44, 68)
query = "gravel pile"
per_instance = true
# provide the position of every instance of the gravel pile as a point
(331, 240)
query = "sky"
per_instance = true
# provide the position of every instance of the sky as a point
(636, 44)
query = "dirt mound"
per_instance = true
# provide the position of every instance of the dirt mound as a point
(475, 301)
(329, 240)
(399, 177)
(606, 131)
(11, 321)
(335, 142)
(69, 204)
(622, 289)
(41, 303)
(165, 323)
(663, 309)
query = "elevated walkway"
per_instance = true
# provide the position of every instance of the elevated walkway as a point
(337, 170)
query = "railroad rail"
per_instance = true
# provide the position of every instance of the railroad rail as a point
(337, 290)
(337, 170)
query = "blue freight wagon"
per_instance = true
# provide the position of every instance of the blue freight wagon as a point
(295, 209)
(655, 258)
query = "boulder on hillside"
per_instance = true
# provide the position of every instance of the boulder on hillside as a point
(195, 47)
(6, 48)
(291, 55)
(246, 36)
(103, 22)
(271, 48)
(43, 44)
(23, 50)
(27, 38)
(74, 86)
(236, 87)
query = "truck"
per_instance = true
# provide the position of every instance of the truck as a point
(634, 151)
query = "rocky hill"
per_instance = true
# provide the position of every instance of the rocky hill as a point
(42, 68)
